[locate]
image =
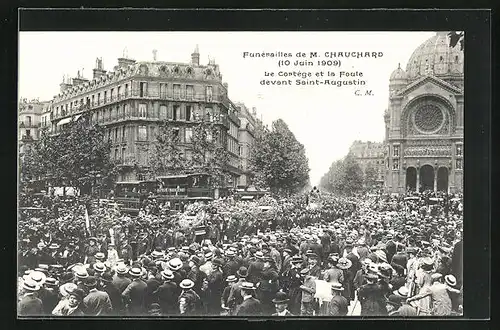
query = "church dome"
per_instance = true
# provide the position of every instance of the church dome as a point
(398, 74)
(435, 57)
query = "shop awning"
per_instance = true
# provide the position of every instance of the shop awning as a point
(64, 121)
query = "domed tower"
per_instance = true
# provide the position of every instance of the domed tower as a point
(424, 121)
(397, 80)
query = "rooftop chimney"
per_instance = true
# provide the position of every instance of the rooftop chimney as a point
(65, 84)
(124, 61)
(79, 79)
(195, 57)
(98, 70)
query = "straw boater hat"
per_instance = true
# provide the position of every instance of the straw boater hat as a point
(436, 276)
(67, 288)
(100, 256)
(81, 273)
(52, 282)
(428, 261)
(38, 277)
(186, 284)
(344, 263)
(450, 280)
(99, 267)
(31, 285)
(248, 286)
(209, 256)
(54, 246)
(157, 254)
(337, 286)
(280, 298)
(135, 272)
(401, 292)
(121, 269)
(231, 279)
(167, 274)
(175, 264)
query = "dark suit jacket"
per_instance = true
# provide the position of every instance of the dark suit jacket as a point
(167, 296)
(30, 305)
(135, 296)
(97, 303)
(121, 282)
(115, 296)
(337, 306)
(249, 307)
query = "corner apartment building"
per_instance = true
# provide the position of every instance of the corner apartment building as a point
(29, 121)
(247, 135)
(136, 97)
(370, 154)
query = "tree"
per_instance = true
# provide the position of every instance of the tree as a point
(344, 176)
(204, 152)
(78, 156)
(371, 176)
(280, 160)
(166, 156)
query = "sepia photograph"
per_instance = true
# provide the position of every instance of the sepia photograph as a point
(240, 174)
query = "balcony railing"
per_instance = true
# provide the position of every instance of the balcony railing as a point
(136, 94)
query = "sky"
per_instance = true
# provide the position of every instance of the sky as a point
(325, 119)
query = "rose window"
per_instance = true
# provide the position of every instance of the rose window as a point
(428, 118)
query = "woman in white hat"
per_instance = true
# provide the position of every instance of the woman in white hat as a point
(64, 291)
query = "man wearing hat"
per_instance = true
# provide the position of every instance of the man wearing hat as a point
(96, 302)
(313, 264)
(114, 294)
(371, 295)
(231, 265)
(90, 251)
(215, 283)
(235, 297)
(49, 294)
(30, 304)
(397, 302)
(134, 295)
(281, 304)
(439, 294)
(207, 266)
(268, 286)
(168, 293)
(120, 280)
(308, 288)
(250, 305)
(230, 280)
(338, 305)
(195, 274)
(255, 268)
(189, 300)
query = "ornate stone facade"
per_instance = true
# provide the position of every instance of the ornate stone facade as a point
(424, 120)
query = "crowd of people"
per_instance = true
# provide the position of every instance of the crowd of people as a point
(321, 255)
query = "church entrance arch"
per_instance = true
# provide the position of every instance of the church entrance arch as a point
(411, 178)
(442, 179)
(426, 178)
